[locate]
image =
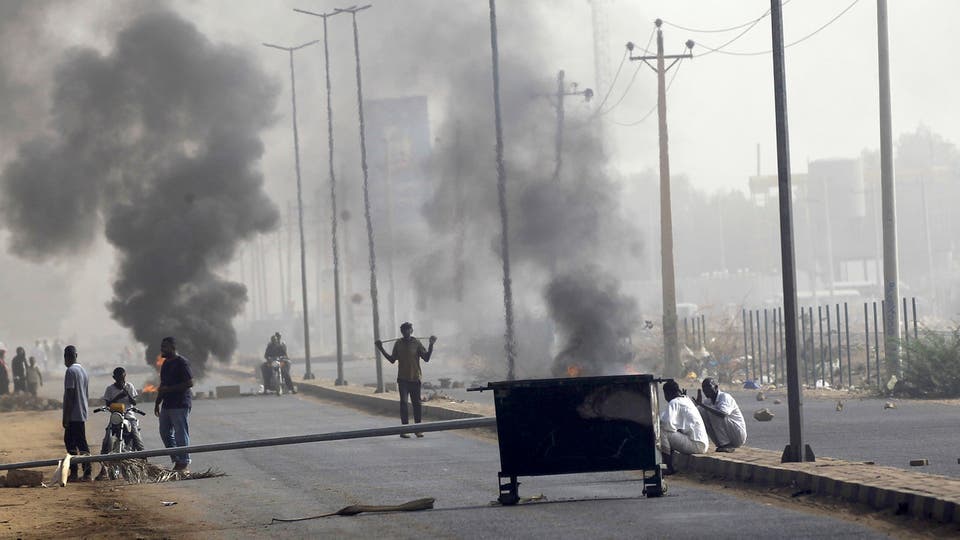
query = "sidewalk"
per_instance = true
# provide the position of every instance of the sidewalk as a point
(923, 496)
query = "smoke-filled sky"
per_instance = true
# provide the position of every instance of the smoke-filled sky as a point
(720, 106)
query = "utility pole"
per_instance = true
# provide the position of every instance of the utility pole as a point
(561, 93)
(308, 373)
(891, 270)
(333, 198)
(796, 451)
(372, 255)
(671, 346)
(509, 338)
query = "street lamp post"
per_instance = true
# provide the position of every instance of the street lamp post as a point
(308, 374)
(333, 198)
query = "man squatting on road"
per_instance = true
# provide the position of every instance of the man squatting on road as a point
(407, 352)
(681, 427)
(722, 417)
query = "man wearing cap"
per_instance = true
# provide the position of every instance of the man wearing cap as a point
(722, 417)
(681, 426)
(407, 353)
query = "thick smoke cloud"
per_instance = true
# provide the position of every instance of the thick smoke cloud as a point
(569, 240)
(157, 142)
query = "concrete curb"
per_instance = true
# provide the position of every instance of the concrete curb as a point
(922, 496)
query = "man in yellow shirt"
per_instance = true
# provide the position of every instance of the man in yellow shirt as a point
(407, 353)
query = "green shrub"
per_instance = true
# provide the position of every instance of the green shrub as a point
(931, 366)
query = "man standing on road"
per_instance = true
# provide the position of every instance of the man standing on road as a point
(408, 351)
(34, 377)
(19, 368)
(681, 427)
(174, 395)
(4, 378)
(722, 417)
(75, 384)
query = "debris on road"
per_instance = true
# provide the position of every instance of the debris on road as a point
(23, 478)
(168, 503)
(919, 462)
(27, 402)
(760, 396)
(777, 401)
(354, 509)
(763, 415)
(140, 471)
(839, 405)
(889, 405)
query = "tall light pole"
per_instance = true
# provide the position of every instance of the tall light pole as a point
(888, 196)
(509, 338)
(796, 451)
(671, 342)
(308, 374)
(371, 251)
(333, 199)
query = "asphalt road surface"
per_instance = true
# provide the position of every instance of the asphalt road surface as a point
(458, 469)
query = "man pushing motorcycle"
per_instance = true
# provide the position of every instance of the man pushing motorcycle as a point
(121, 393)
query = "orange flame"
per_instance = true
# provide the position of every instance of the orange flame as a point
(159, 361)
(573, 370)
(149, 387)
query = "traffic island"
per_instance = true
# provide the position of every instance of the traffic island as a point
(920, 495)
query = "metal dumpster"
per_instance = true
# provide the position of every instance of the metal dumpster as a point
(577, 425)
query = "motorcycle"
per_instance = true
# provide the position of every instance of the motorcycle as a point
(272, 374)
(121, 426)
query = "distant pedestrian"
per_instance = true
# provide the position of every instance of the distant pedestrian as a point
(19, 368)
(75, 385)
(34, 377)
(4, 375)
(174, 395)
(407, 353)
(722, 417)
(681, 426)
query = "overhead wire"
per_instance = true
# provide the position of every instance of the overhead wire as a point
(654, 108)
(768, 51)
(722, 30)
(599, 110)
(616, 75)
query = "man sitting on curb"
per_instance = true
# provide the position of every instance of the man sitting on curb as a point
(681, 427)
(722, 417)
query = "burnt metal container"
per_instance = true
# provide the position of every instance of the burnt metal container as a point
(577, 425)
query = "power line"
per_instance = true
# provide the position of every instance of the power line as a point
(654, 108)
(617, 75)
(722, 30)
(791, 44)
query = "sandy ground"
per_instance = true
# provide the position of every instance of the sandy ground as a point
(82, 510)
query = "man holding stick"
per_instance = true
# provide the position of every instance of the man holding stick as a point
(408, 351)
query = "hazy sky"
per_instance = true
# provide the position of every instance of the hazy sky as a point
(720, 106)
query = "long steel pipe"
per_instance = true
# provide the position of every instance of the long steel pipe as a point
(445, 425)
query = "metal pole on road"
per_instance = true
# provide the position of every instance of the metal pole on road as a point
(509, 339)
(796, 451)
(308, 374)
(445, 425)
(333, 200)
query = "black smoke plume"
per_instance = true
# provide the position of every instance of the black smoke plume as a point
(157, 143)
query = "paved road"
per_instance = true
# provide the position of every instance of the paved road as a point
(864, 431)
(458, 469)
